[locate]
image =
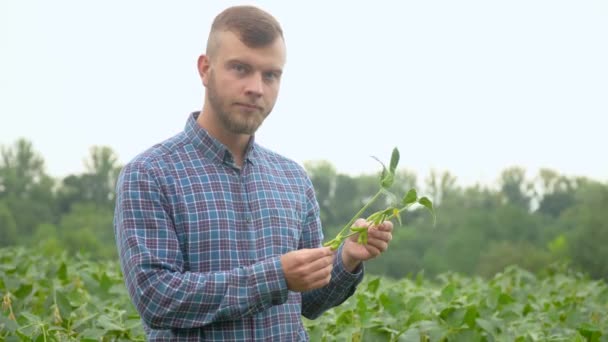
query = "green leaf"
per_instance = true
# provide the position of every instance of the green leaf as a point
(410, 197)
(364, 312)
(590, 332)
(346, 318)
(505, 299)
(105, 282)
(387, 181)
(414, 302)
(93, 334)
(453, 316)
(62, 273)
(23, 291)
(375, 334)
(391, 302)
(470, 316)
(487, 325)
(424, 201)
(8, 324)
(466, 335)
(447, 293)
(394, 160)
(373, 285)
(30, 317)
(106, 323)
(63, 303)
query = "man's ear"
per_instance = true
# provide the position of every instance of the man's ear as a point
(203, 68)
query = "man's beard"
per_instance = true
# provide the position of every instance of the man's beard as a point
(234, 121)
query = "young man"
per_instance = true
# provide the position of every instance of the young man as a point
(220, 238)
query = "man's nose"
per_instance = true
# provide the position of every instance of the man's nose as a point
(255, 85)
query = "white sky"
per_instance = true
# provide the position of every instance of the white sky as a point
(472, 87)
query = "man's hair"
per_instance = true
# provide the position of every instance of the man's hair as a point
(254, 27)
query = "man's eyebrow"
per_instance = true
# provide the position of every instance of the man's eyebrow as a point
(237, 61)
(277, 70)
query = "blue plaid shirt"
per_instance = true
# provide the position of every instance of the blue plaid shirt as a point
(200, 241)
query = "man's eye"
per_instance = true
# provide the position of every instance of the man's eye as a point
(270, 76)
(239, 68)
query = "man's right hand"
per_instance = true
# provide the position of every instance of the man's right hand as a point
(307, 269)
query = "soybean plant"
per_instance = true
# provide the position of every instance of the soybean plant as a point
(387, 178)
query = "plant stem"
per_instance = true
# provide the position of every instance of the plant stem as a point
(360, 212)
(340, 237)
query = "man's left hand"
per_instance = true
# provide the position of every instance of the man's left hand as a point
(378, 238)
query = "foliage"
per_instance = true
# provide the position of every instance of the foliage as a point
(530, 221)
(513, 306)
(48, 297)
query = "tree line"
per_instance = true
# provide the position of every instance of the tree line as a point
(535, 222)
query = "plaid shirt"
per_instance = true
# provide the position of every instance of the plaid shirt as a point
(200, 241)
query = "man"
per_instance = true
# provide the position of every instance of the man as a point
(218, 237)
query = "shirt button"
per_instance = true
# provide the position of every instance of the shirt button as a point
(248, 219)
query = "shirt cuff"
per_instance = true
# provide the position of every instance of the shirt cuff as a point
(342, 274)
(271, 286)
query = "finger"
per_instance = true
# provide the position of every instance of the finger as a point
(379, 240)
(319, 264)
(376, 246)
(386, 226)
(361, 223)
(311, 254)
(380, 235)
(321, 282)
(323, 251)
(320, 274)
(373, 248)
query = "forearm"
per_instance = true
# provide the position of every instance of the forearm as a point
(167, 298)
(342, 285)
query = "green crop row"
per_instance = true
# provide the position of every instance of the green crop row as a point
(59, 298)
(514, 306)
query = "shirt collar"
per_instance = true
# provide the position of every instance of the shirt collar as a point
(212, 148)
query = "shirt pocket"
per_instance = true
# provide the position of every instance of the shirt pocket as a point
(281, 231)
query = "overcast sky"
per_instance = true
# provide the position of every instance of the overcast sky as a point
(472, 87)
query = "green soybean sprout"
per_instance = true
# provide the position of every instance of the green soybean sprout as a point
(387, 178)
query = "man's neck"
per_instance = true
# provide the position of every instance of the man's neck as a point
(236, 143)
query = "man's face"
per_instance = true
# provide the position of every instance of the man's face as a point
(243, 83)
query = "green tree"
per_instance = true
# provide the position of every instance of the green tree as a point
(96, 185)
(25, 187)
(556, 193)
(323, 177)
(441, 186)
(514, 187)
(88, 229)
(8, 226)
(587, 226)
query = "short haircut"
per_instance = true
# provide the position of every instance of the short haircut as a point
(254, 27)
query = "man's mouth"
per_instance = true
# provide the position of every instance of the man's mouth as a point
(248, 106)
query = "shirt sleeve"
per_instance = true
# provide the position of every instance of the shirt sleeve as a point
(343, 283)
(163, 293)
